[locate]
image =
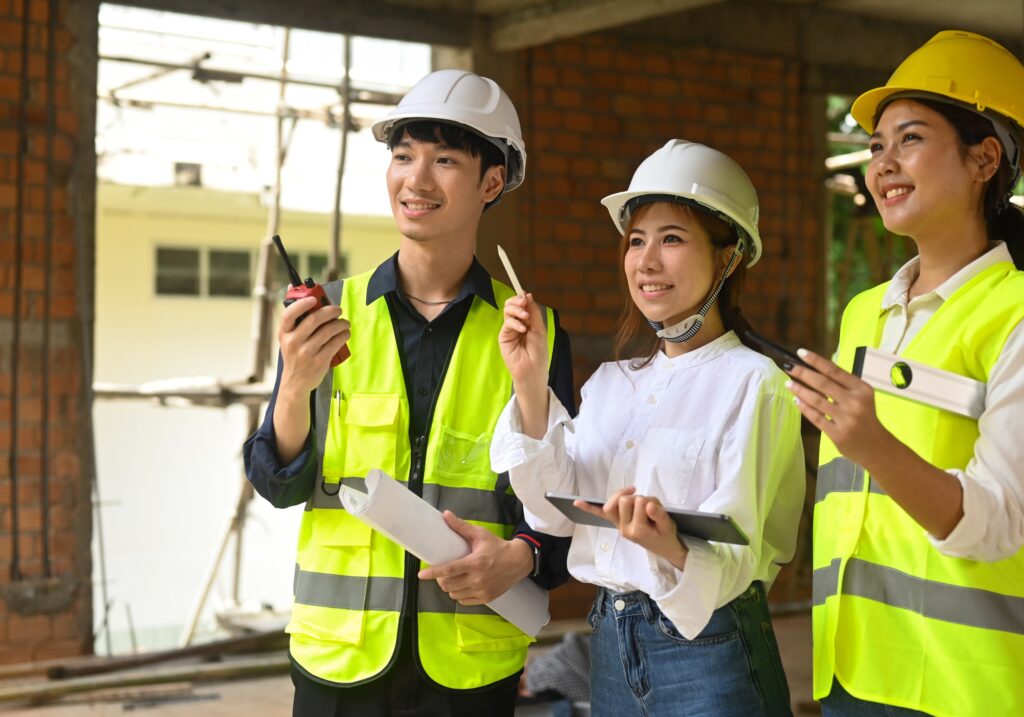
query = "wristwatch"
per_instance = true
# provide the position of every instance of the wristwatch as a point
(535, 547)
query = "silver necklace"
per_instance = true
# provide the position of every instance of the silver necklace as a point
(442, 302)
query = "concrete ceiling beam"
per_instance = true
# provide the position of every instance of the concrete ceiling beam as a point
(435, 22)
(556, 19)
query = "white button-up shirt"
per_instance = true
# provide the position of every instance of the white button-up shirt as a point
(992, 527)
(714, 430)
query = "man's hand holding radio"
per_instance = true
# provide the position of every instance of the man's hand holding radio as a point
(309, 336)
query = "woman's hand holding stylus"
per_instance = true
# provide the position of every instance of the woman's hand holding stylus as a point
(524, 346)
(643, 520)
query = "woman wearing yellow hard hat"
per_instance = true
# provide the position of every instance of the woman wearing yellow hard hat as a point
(919, 512)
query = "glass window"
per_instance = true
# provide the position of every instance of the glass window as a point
(230, 274)
(316, 265)
(177, 272)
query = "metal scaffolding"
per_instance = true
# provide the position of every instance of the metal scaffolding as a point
(251, 391)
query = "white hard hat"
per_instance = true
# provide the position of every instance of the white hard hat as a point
(471, 101)
(693, 173)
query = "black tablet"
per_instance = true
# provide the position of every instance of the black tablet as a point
(706, 526)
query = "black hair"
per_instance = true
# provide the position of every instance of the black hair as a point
(454, 136)
(1004, 221)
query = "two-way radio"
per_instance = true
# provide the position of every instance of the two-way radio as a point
(300, 289)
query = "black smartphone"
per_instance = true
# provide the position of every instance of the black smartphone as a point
(780, 354)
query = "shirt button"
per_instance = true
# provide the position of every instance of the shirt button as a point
(652, 399)
(629, 444)
(421, 391)
(620, 605)
(604, 547)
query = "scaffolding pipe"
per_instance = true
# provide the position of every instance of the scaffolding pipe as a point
(334, 258)
(260, 358)
(365, 95)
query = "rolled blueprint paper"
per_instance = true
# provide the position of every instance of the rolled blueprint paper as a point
(392, 509)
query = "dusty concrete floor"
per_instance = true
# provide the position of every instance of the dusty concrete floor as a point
(271, 696)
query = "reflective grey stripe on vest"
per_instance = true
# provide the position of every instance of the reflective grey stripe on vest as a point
(972, 607)
(433, 599)
(348, 592)
(841, 475)
(488, 506)
(385, 594)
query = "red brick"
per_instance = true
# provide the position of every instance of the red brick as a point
(10, 33)
(31, 629)
(567, 98)
(599, 58)
(568, 53)
(545, 75)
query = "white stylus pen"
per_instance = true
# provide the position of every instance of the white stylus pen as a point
(510, 271)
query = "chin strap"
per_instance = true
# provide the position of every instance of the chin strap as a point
(688, 327)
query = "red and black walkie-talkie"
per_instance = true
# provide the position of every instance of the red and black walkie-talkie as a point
(301, 289)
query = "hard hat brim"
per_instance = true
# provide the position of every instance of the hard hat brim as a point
(865, 107)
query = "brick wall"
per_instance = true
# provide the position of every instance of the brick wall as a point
(598, 105)
(45, 435)
(593, 108)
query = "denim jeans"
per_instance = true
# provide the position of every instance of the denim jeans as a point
(841, 703)
(641, 665)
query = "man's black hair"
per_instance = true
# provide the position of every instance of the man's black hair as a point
(455, 137)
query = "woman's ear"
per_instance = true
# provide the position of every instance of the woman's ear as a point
(725, 254)
(987, 154)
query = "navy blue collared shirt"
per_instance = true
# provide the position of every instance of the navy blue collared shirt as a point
(425, 348)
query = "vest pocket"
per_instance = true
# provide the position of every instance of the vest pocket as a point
(487, 633)
(336, 528)
(315, 624)
(361, 434)
(464, 458)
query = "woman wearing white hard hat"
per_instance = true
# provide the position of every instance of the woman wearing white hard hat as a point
(691, 417)
(919, 514)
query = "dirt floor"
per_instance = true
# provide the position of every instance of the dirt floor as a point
(271, 696)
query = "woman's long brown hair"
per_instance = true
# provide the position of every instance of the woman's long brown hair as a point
(634, 337)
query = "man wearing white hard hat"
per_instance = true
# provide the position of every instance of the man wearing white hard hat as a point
(371, 632)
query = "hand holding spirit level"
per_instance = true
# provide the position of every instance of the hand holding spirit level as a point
(920, 382)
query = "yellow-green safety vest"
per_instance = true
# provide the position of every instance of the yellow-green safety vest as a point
(350, 580)
(894, 619)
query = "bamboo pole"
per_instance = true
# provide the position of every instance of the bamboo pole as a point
(247, 667)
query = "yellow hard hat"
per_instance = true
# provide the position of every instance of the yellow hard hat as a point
(958, 65)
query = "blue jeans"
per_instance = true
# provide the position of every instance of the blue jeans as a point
(641, 665)
(841, 703)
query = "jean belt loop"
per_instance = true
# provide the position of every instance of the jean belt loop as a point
(647, 606)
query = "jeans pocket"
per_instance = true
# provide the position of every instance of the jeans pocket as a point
(594, 616)
(717, 631)
(777, 669)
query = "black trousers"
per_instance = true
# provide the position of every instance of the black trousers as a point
(401, 692)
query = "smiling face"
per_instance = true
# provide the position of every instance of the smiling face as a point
(437, 191)
(670, 264)
(922, 178)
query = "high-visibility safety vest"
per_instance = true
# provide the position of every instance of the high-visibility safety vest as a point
(350, 580)
(894, 619)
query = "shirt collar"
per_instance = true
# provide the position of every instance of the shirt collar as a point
(384, 280)
(896, 294)
(707, 352)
